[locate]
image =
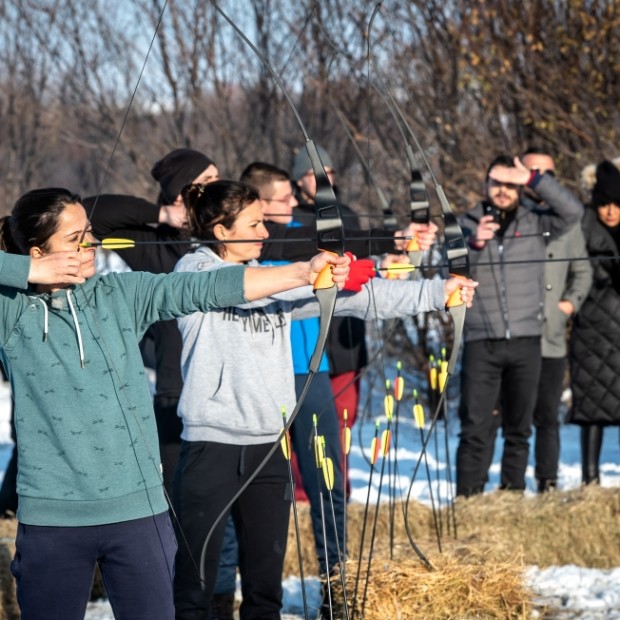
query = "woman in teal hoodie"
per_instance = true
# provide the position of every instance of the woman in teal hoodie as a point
(89, 481)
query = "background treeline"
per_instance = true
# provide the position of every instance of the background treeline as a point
(473, 77)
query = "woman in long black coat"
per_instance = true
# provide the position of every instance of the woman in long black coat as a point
(595, 339)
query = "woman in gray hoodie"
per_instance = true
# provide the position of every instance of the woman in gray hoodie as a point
(238, 376)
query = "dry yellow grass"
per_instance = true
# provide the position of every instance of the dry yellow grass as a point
(478, 575)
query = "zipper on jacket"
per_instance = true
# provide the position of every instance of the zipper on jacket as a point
(503, 294)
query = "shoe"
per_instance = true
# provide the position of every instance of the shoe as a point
(222, 606)
(547, 486)
(470, 491)
(326, 609)
(506, 486)
(591, 443)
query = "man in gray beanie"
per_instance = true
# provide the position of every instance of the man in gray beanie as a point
(303, 176)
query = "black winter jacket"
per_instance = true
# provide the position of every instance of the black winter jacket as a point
(595, 338)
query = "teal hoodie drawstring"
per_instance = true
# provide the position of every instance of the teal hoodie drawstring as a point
(46, 322)
(75, 323)
(77, 327)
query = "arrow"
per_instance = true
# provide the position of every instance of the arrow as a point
(285, 443)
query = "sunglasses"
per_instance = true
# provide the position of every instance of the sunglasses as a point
(494, 183)
(551, 173)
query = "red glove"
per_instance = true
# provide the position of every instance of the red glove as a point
(360, 271)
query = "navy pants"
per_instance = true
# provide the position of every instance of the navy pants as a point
(319, 400)
(54, 566)
(504, 372)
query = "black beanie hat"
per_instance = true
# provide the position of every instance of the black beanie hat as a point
(607, 188)
(174, 171)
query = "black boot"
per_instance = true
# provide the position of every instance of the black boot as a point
(470, 491)
(591, 442)
(222, 606)
(545, 486)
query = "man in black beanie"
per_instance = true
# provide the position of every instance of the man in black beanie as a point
(141, 220)
(177, 169)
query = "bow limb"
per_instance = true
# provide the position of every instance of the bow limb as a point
(458, 266)
(420, 208)
(456, 248)
(456, 254)
(330, 238)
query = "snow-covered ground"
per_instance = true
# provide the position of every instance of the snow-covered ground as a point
(575, 592)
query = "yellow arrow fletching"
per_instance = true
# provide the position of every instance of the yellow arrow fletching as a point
(117, 244)
(397, 268)
(418, 415)
(346, 440)
(432, 377)
(443, 378)
(388, 403)
(318, 452)
(443, 375)
(386, 439)
(285, 444)
(328, 473)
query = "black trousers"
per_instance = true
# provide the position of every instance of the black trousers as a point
(504, 371)
(169, 427)
(209, 474)
(546, 418)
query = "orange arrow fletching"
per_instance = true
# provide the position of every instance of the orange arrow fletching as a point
(399, 387)
(374, 450)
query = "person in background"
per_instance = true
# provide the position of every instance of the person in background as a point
(568, 278)
(346, 344)
(595, 338)
(346, 349)
(502, 352)
(278, 202)
(142, 221)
